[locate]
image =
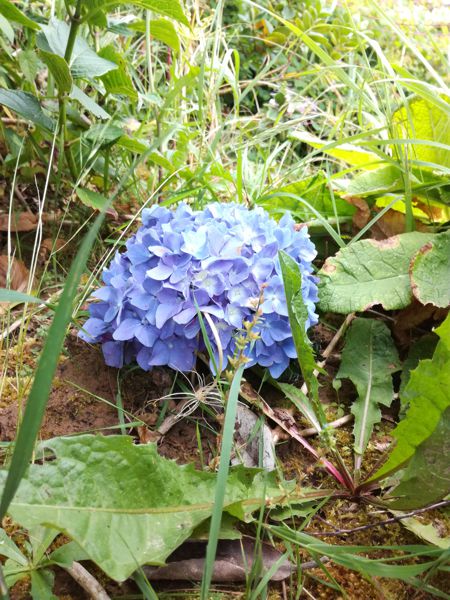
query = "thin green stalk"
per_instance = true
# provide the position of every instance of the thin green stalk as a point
(74, 25)
(222, 476)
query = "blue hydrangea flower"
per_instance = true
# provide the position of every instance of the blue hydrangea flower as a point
(216, 260)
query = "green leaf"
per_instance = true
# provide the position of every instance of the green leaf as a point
(370, 272)
(6, 28)
(29, 64)
(27, 106)
(12, 296)
(84, 62)
(88, 103)
(419, 119)
(42, 581)
(65, 555)
(427, 477)
(168, 8)
(430, 272)
(301, 402)
(423, 348)
(40, 390)
(59, 68)
(429, 533)
(8, 549)
(117, 81)
(369, 359)
(92, 199)
(12, 13)
(160, 29)
(428, 398)
(313, 191)
(357, 558)
(353, 155)
(125, 505)
(379, 181)
(298, 317)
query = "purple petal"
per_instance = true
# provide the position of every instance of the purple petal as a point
(126, 330)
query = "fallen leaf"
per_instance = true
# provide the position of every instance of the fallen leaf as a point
(24, 221)
(249, 435)
(414, 316)
(146, 435)
(393, 223)
(234, 561)
(18, 276)
(362, 214)
(48, 246)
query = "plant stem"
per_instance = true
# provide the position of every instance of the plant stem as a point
(74, 25)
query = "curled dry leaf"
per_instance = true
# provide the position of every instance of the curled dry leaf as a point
(362, 213)
(18, 276)
(24, 221)
(391, 223)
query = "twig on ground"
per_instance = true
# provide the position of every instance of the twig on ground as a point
(332, 425)
(331, 346)
(87, 581)
(395, 519)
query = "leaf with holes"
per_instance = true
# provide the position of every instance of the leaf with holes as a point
(370, 272)
(430, 272)
(369, 359)
(125, 505)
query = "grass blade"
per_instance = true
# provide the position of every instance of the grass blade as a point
(37, 400)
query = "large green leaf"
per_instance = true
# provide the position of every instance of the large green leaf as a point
(59, 68)
(27, 106)
(427, 476)
(168, 8)
(427, 393)
(161, 30)
(353, 155)
(125, 505)
(12, 13)
(84, 62)
(419, 119)
(369, 359)
(370, 272)
(430, 272)
(88, 103)
(117, 81)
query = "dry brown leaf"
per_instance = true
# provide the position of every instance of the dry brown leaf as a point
(362, 214)
(49, 245)
(416, 315)
(19, 274)
(234, 561)
(24, 221)
(393, 223)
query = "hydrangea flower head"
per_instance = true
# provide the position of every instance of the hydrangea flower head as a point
(216, 261)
